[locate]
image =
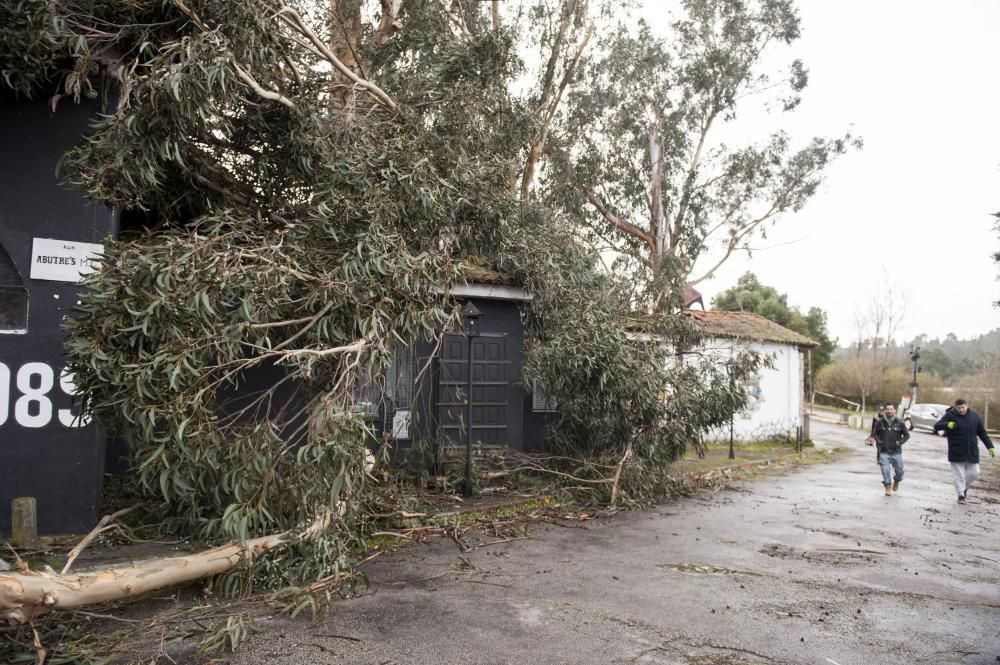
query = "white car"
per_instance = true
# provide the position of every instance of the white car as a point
(923, 416)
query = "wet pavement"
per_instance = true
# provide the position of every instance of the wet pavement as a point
(813, 566)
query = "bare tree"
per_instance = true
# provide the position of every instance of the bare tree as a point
(859, 377)
(877, 321)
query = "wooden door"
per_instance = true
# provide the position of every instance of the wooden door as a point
(490, 383)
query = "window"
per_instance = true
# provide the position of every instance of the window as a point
(400, 378)
(541, 402)
(400, 386)
(13, 297)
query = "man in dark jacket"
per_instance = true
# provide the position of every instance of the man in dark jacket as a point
(963, 426)
(890, 435)
(871, 435)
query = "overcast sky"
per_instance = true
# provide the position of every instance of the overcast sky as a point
(919, 80)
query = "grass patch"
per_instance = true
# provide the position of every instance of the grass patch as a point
(716, 456)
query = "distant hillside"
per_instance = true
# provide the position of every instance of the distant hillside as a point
(948, 358)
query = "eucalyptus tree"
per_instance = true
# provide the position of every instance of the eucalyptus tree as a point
(640, 154)
(312, 177)
(311, 180)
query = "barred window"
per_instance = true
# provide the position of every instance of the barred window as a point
(400, 378)
(365, 397)
(400, 388)
(541, 402)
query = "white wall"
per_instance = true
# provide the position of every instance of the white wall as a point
(776, 400)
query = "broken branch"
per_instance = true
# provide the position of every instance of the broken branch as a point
(105, 523)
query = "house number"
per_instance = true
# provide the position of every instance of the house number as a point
(32, 405)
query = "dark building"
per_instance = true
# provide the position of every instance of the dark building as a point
(423, 399)
(47, 235)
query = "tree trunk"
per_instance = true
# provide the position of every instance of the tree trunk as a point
(388, 24)
(657, 227)
(345, 28)
(657, 222)
(26, 595)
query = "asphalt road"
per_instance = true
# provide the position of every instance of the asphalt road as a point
(814, 566)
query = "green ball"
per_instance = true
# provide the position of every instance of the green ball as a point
(951, 424)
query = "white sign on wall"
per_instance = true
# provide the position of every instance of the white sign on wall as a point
(62, 260)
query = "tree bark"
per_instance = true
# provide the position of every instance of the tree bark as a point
(345, 23)
(547, 109)
(657, 223)
(25, 596)
(388, 24)
(618, 221)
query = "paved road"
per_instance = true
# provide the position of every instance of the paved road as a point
(815, 566)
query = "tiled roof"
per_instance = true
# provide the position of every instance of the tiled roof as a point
(747, 326)
(475, 273)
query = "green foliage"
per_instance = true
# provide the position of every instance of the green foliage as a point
(620, 383)
(303, 223)
(228, 637)
(951, 357)
(32, 37)
(293, 233)
(749, 295)
(616, 392)
(642, 95)
(968, 366)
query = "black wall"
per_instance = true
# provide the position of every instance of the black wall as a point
(43, 453)
(535, 423)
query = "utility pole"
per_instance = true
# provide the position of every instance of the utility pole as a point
(914, 356)
(470, 328)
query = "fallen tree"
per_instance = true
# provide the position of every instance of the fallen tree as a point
(27, 595)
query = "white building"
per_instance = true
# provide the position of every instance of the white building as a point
(776, 395)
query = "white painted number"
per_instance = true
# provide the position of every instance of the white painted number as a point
(31, 395)
(66, 416)
(33, 407)
(4, 390)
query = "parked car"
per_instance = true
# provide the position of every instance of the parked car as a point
(923, 416)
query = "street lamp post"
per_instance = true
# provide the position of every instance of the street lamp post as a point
(914, 356)
(732, 390)
(470, 328)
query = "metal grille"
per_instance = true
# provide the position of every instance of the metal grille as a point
(400, 387)
(400, 378)
(542, 402)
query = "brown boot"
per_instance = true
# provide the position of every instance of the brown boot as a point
(895, 486)
(888, 490)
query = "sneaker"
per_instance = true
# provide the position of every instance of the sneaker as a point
(961, 498)
(895, 486)
(888, 490)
